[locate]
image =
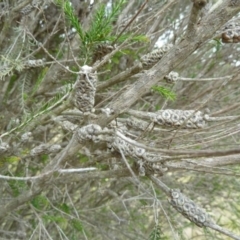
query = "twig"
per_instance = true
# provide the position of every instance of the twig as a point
(204, 79)
(123, 76)
(200, 153)
(130, 22)
(127, 164)
(106, 58)
(224, 231)
(78, 170)
(161, 185)
(35, 116)
(21, 5)
(207, 223)
(50, 55)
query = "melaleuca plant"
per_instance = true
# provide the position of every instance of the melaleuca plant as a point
(100, 30)
(119, 119)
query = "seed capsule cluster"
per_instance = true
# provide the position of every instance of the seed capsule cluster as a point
(172, 77)
(34, 63)
(85, 89)
(69, 126)
(153, 57)
(26, 137)
(200, 3)
(3, 8)
(146, 162)
(145, 167)
(184, 118)
(127, 148)
(189, 209)
(89, 132)
(137, 123)
(30, 7)
(4, 147)
(45, 149)
(231, 33)
(101, 50)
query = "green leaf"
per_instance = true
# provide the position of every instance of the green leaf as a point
(13, 159)
(68, 10)
(65, 208)
(17, 187)
(165, 92)
(44, 158)
(55, 218)
(40, 202)
(132, 38)
(102, 24)
(40, 78)
(157, 234)
(77, 225)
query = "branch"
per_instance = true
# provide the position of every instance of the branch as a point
(177, 153)
(40, 183)
(123, 76)
(207, 162)
(36, 116)
(44, 182)
(78, 170)
(130, 22)
(189, 209)
(171, 60)
(224, 231)
(204, 79)
(194, 17)
(96, 175)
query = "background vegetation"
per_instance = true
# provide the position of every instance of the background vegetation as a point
(107, 105)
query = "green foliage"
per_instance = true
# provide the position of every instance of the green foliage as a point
(102, 166)
(77, 225)
(68, 10)
(101, 27)
(40, 202)
(157, 234)
(10, 66)
(102, 24)
(17, 187)
(83, 158)
(14, 160)
(43, 109)
(165, 92)
(65, 208)
(44, 158)
(62, 221)
(10, 86)
(131, 38)
(39, 80)
(217, 44)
